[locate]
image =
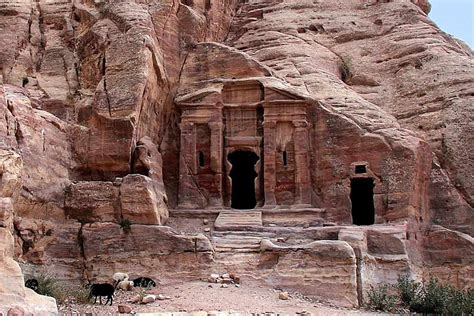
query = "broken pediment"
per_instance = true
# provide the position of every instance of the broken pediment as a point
(273, 94)
(208, 95)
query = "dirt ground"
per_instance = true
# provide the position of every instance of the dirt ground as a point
(249, 299)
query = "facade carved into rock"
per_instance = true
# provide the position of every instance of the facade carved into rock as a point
(326, 142)
(271, 127)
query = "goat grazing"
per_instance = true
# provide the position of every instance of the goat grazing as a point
(125, 285)
(32, 284)
(103, 289)
(119, 276)
(144, 282)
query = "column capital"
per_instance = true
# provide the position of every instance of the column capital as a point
(301, 124)
(269, 124)
(186, 125)
(216, 125)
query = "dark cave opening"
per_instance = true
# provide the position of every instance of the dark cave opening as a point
(362, 198)
(243, 179)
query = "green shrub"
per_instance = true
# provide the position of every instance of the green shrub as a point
(459, 302)
(379, 298)
(431, 299)
(470, 301)
(78, 294)
(48, 285)
(408, 289)
(346, 68)
(434, 297)
(126, 225)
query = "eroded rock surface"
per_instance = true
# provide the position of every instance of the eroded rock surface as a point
(13, 293)
(122, 117)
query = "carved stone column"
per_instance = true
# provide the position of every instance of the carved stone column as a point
(217, 150)
(187, 160)
(303, 178)
(269, 169)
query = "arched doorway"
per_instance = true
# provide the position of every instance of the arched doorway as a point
(243, 179)
(362, 198)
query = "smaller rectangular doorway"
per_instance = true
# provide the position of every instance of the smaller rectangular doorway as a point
(362, 198)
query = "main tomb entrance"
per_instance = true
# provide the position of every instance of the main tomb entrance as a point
(243, 179)
(243, 147)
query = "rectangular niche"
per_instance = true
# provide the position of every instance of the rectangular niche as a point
(285, 165)
(203, 148)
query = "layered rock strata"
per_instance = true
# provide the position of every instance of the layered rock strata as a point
(13, 294)
(130, 112)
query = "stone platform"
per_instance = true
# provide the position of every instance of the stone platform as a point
(238, 220)
(256, 219)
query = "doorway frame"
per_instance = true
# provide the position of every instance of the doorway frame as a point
(379, 195)
(258, 179)
(371, 181)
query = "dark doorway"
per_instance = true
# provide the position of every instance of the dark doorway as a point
(243, 179)
(362, 198)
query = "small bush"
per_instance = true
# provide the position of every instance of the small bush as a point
(142, 292)
(408, 289)
(434, 297)
(431, 299)
(459, 302)
(126, 225)
(50, 286)
(380, 299)
(78, 294)
(346, 69)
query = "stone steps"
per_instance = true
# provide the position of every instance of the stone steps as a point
(236, 259)
(248, 241)
(243, 234)
(238, 220)
(236, 243)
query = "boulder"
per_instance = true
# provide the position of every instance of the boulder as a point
(148, 299)
(284, 296)
(291, 265)
(140, 202)
(14, 297)
(6, 213)
(11, 166)
(213, 278)
(16, 311)
(124, 309)
(93, 201)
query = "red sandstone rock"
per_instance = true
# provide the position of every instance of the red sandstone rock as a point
(16, 311)
(10, 168)
(306, 267)
(449, 255)
(6, 214)
(127, 110)
(93, 201)
(140, 202)
(124, 309)
(14, 297)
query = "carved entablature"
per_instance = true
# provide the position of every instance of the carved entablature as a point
(244, 146)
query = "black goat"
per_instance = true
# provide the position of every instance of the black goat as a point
(32, 284)
(143, 282)
(103, 289)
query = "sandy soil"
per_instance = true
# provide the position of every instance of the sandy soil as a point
(250, 298)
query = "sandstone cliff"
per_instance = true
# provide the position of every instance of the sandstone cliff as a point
(13, 294)
(92, 96)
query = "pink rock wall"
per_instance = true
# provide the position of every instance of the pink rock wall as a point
(89, 94)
